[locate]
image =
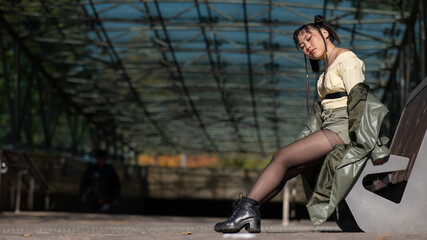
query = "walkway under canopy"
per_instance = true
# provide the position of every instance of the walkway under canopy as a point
(219, 76)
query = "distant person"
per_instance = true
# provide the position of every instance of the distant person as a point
(100, 185)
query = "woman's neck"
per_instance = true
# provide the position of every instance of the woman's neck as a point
(332, 56)
(329, 54)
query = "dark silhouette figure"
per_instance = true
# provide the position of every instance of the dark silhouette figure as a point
(100, 185)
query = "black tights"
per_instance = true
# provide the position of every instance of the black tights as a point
(291, 160)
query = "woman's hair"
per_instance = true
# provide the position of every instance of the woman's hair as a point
(319, 23)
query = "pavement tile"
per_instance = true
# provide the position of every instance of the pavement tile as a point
(61, 225)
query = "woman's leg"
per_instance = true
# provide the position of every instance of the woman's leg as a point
(291, 173)
(286, 163)
(290, 161)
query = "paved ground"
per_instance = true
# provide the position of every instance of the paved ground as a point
(59, 225)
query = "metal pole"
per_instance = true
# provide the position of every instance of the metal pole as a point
(17, 93)
(402, 79)
(422, 15)
(408, 58)
(47, 201)
(30, 198)
(285, 215)
(18, 192)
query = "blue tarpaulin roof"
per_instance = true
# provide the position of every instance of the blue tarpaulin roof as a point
(203, 76)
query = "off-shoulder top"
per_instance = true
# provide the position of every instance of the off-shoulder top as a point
(346, 71)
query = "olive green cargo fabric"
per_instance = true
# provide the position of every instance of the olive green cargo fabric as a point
(327, 185)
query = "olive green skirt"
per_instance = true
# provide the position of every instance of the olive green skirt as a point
(336, 120)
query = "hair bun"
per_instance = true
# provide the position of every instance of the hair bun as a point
(319, 20)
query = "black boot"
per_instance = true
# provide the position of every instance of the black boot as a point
(245, 214)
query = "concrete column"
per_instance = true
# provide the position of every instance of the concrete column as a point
(285, 220)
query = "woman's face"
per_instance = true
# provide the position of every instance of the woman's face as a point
(311, 43)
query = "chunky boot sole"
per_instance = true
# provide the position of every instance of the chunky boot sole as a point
(250, 225)
(253, 227)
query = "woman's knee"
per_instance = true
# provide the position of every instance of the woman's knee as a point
(281, 157)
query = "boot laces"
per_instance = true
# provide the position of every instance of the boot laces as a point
(236, 205)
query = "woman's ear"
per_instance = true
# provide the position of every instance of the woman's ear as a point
(325, 33)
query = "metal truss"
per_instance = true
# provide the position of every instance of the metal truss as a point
(192, 76)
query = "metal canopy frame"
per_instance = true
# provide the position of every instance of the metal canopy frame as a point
(186, 76)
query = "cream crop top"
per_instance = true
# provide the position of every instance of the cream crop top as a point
(346, 71)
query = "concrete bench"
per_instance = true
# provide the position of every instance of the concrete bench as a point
(402, 206)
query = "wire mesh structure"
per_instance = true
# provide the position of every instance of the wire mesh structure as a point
(186, 75)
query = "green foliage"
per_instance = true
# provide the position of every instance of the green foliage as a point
(243, 161)
(41, 110)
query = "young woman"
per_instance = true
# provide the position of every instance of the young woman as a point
(342, 70)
